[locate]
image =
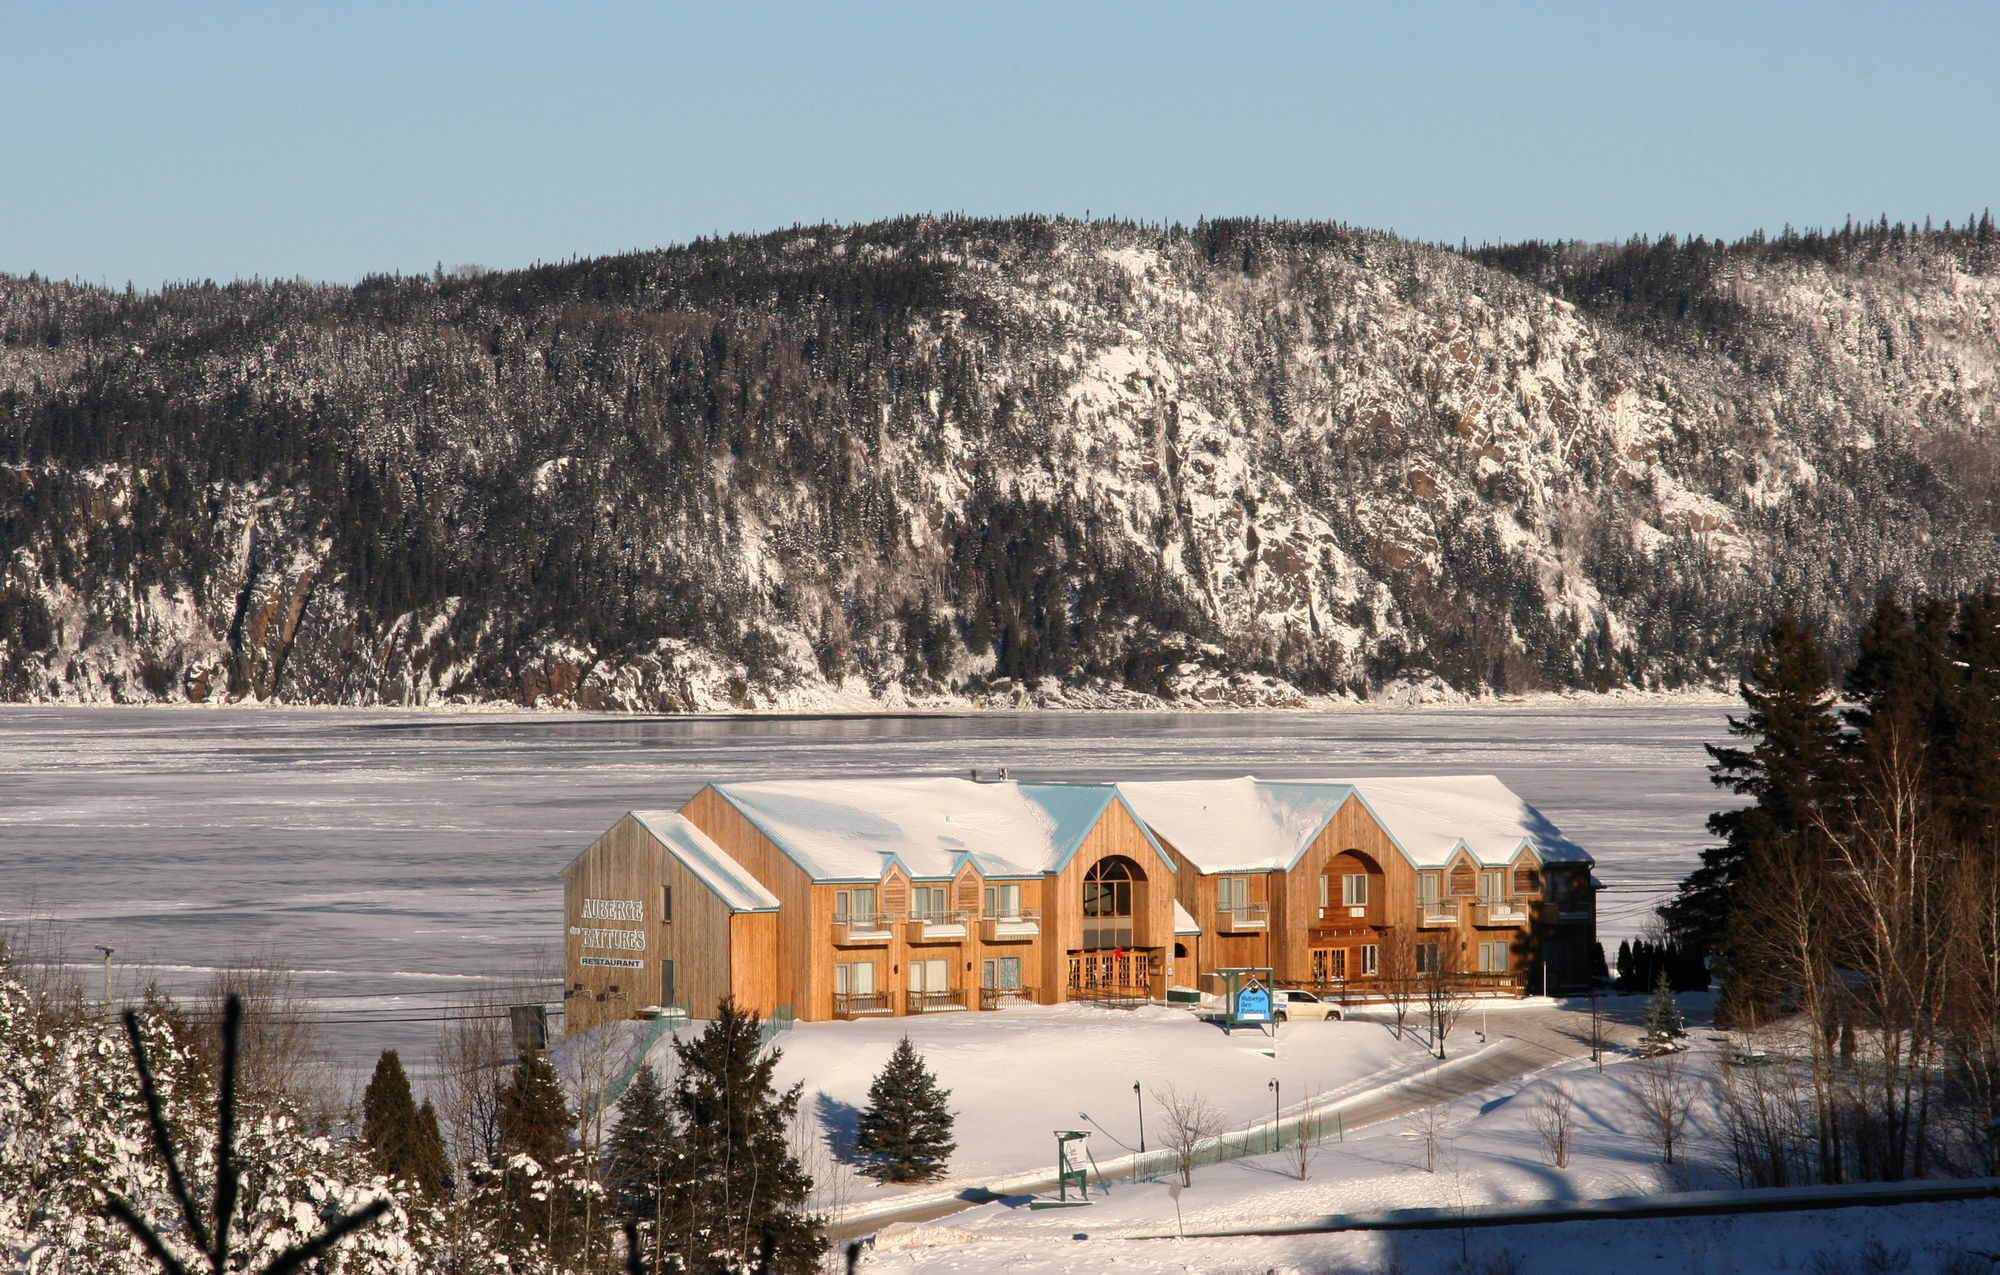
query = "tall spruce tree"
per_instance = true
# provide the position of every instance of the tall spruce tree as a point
(403, 1139)
(907, 1126)
(538, 1209)
(1784, 773)
(644, 1162)
(741, 1196)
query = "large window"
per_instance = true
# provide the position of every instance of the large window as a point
(1371, 958)
(1232, 894)
(1003, 902)
(854, 907)
(857, 978)
(1493, 885)
(1107, 905)
(1002, 973)
(927, 902)
(1493, 958)
(1429, 958)
(1354, 889)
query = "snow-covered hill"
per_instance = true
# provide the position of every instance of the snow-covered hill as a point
(931, 462)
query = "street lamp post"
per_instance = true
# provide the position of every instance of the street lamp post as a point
(1277, 1101)
(1141, 1100)
(107, 977)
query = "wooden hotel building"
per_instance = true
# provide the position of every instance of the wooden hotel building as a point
(851, 898)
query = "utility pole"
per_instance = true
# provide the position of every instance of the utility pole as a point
(108, 1010)
(1141, 1100)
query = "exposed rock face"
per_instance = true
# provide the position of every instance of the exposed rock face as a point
(925, 463)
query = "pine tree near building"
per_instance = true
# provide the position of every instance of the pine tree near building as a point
(740, 1200)
(907, 1126)
(644, 1163)
(1785, 773)
(537, 1206)
(1665, 1031)
(402, 1138)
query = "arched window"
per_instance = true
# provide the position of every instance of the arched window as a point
(1107, 904)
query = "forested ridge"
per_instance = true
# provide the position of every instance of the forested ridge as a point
(947, 460)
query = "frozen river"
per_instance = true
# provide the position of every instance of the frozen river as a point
(397, 859)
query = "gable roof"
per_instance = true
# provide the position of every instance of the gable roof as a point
(1431, 816)
(852, 830)
(1256, 825)
(731, 882)
(1236, 825)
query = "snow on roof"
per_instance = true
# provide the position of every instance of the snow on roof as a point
(1184, 923)
(732, 883)
(1255, 825)
(852, 830)
(1236, 825)
(1430, 816)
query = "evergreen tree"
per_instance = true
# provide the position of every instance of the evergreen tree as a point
(741, 1194)
(1784, 774)
(402, 1140)
(1664, 1029)
(907, 1127)
(644, 1160)
(532, 1114)
(537, 1208)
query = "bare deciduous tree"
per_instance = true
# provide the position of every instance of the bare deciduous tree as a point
(1446, 997)
(1397, 976)
(1554, 1119)
(1190, 1122)
(1432, 1125)
(281, 1053)
(1662, 1093)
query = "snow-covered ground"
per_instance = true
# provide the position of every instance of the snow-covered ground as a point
(1019, 1075)
(1489, 1153)
(398, 858)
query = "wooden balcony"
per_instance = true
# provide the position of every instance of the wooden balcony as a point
(1433, 913)
(1023, 925)
(1508, 911)
(862, 1004)
(1566, 908)
(937, 927)
(934, 1002)
(863, 929)
(1244, 918)
(995, 997)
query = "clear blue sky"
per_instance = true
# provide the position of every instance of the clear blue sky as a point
(159, 142)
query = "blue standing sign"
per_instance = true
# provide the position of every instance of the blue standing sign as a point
(1253, 1003)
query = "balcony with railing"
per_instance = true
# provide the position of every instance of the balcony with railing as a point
(1435, 912)
(936, 927)
(1576, 905)
(853, 929)
(1014, 925)
(995, 997)
(934, 1002)
(1500, 910)
(862, 1004)
(1242, 917)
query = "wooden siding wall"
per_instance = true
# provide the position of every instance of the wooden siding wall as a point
(1352, 837)
(629, 863)
(753, 960)
(804, 916)
(1117, 833)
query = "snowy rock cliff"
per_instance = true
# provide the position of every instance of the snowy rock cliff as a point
(932, 462)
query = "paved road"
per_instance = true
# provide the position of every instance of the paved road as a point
(1525, 1041)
